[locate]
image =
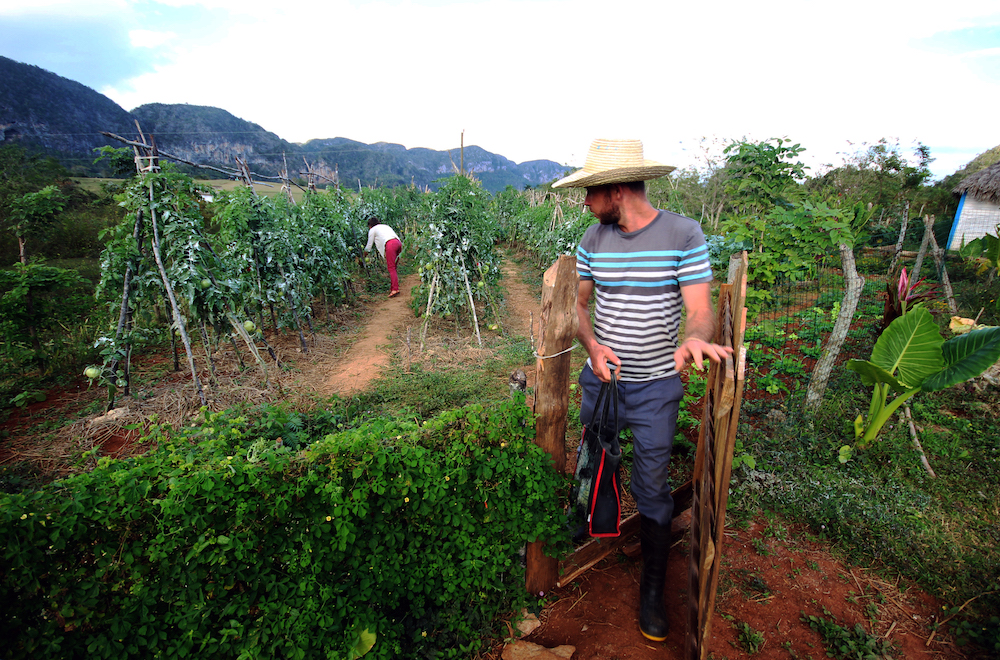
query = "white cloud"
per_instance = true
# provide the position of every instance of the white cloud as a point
(540, 79)
(150, 38)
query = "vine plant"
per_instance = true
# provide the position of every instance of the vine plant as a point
(457, 245)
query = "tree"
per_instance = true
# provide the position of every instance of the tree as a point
(853, 221)
(32, 214)
(762, 176)
(697, 192)
(878, 174)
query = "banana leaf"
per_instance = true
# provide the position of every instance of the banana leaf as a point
(966, 356)
(872, 373)
(910, 348)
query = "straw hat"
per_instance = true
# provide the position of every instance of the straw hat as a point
(614, 161)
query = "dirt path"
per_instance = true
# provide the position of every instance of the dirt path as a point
(353, 371)
(524, 305)
(365, 359)
(766, 587)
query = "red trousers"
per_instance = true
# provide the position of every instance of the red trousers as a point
(392, 249)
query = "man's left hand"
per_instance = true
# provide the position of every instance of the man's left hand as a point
(696, 350)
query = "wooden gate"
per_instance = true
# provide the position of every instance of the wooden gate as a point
(714, 460)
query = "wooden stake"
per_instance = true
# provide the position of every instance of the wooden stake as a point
(906, 416)
(427, 312)
(938, 255)
(552, 368)
(472, 304)
(408, 349)
(178, 319)
(899, 241)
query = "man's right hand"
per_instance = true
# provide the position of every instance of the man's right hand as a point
(600, 356)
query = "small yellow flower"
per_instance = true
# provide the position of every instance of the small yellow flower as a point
(447, 478)
(424, 633)
(406, 499)
(329, 518)
(24, 516)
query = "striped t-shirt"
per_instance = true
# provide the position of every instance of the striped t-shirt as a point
(637, 279)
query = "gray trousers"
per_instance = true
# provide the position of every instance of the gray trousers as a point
(650, 410)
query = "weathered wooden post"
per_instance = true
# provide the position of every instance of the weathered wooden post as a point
(557, 329)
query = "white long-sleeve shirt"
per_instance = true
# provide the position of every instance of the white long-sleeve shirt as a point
(380, 235)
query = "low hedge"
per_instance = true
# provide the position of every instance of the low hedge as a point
(226, 546)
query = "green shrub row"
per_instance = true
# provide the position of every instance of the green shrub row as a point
(219, 544)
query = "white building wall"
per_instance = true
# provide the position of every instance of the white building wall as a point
(978, 217)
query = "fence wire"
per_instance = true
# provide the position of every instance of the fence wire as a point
(786, 331)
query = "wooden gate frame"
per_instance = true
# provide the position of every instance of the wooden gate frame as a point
(714, 460)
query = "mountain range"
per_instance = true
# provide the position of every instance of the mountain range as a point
(54, 116)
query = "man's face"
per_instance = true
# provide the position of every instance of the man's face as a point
(601, 204)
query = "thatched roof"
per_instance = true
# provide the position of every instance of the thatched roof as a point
(984, 184)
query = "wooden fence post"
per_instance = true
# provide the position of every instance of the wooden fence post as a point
(557, 329)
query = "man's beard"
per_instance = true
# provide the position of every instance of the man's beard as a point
(611, 217)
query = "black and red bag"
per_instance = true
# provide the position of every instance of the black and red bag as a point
(596, 494)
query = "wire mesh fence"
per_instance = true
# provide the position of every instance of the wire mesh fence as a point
(787, 331)
(785, 335)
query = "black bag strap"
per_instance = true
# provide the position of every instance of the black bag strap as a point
(608, 393)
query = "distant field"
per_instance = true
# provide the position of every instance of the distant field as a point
(263, 189)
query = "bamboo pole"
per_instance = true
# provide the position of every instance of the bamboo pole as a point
(472, 304)
(178, 318)
(558, 325)
(427, 312)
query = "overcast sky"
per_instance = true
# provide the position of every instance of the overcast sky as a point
(539, 79)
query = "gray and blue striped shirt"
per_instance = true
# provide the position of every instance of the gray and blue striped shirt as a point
(637, 280)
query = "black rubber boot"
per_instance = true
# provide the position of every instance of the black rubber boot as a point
(655, 542)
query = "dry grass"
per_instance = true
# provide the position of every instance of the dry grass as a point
(161, 395)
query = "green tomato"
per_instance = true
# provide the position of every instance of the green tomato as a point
(205, 283)
(249, 326)
(92, 372)
(481, 284)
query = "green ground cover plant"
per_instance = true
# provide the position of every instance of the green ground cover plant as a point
(845, 643)
(407, 531)
(751, 640)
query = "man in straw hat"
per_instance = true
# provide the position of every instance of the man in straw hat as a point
(644, 265)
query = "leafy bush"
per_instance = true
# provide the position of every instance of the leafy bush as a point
(225, 545)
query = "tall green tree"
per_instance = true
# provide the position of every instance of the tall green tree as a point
(762, 175)
(32, 214)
